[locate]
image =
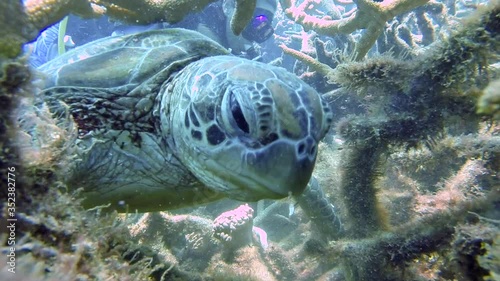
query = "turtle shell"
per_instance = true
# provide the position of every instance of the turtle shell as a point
(131, 59)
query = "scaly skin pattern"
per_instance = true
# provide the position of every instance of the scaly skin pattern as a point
(244, 128)
(185, 128)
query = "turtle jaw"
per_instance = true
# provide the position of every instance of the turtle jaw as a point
(272, 172)
(280, 169)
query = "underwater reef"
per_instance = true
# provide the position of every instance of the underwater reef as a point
(405, 187)
(23, 20)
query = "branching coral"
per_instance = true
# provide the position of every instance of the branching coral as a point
(383, 256)
(38, 14)
(491, 259)
(194, 243)
(150, 11)
(42, 13)
(369, 15)
(419, 107)
(14, 31)
(489, 103)
(45, 12)
(310, 61)
(242, 15)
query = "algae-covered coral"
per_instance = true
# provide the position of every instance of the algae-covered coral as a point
(23, 20)
(409, 175)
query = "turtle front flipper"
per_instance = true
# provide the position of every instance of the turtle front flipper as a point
(113, 170)
(111, 87)
(97, 109)
(120, 157)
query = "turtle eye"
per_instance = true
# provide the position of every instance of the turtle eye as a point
(237, 113)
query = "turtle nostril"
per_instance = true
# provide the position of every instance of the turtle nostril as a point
(307, 148)
(301, 148)
(312, 150)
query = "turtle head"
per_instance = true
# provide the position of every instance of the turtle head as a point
(244, 128)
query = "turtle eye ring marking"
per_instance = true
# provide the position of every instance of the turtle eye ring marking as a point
(237, 113)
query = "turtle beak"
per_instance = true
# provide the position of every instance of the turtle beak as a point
(274, 171)
(282, 168)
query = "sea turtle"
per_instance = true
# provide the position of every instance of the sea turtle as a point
(167, 119)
